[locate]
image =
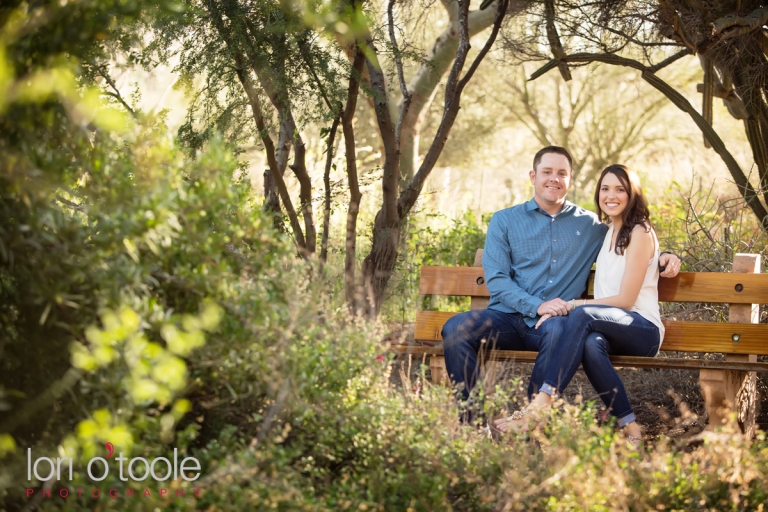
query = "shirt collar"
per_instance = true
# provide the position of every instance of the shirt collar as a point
(533, 205)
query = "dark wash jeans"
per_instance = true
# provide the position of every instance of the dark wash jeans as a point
(591, 334)
(466, 334)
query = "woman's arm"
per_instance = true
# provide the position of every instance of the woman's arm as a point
(638, 253)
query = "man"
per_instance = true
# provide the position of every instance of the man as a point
(538, 255)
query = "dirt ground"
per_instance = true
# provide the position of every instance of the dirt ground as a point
(659, 397)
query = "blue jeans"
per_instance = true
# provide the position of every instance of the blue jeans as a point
(591, 334)
(468, 333)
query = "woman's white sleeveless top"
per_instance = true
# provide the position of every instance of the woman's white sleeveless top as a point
(610, 271)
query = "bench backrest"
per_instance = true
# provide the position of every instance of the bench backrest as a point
(744, 289)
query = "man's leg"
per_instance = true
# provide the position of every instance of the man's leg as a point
(544, 340)
(465, 334)
(611, 322)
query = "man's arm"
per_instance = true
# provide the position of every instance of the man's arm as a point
(497, 264)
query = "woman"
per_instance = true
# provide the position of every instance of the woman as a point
(622, 319)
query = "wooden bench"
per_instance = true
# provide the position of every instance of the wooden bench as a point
(728, 384)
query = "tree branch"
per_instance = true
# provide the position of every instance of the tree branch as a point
(423, 85)
(411, 193)
(747, 190)
(289, 133)
(306, 56)
(677, 24)
(251, 92)
(116, 94)
(269, 147)
(732, 26)
(554, 38)
(406, 103)
(461, 54)
(669, 60)
(390, 180)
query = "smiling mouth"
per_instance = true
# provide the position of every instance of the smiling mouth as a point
(611, 205)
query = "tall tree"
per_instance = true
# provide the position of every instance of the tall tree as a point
(575, 114)
(729, 38)
(267, 63)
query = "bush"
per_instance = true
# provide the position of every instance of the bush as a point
(433, 239)
(148, 306)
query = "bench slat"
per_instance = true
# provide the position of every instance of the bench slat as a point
(685, 287)
(618, 361)
(680, 336)
(461, 281)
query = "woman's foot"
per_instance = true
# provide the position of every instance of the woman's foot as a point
(634, 434)
(526, 418)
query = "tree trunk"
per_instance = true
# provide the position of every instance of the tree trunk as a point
(271, 203)
(350, 253)
(327, 189)
(299, 168)
(380, 263)
(241, 48)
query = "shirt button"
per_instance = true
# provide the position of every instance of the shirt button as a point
(550, 281)
(555, 240)
(554, 261)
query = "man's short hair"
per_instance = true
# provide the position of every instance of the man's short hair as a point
(552, 149)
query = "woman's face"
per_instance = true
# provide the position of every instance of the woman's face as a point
(613, 196)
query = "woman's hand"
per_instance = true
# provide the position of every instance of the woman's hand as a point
(541, 320)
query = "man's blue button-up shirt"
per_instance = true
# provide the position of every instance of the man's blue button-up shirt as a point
(531, 256)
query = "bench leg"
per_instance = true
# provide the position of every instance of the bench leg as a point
(725, 391)
(490, 372)
(438, 372)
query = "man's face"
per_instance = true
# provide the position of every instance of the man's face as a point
(551, 180)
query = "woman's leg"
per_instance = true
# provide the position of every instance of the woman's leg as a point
(638, 338)
(569, 351)
(635, 335)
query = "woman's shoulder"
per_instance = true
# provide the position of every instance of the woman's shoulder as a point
(643, 231)
(642, 238)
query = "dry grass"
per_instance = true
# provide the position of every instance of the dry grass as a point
(667, 402)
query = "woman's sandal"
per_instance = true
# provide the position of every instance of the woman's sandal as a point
(634, 442)
(524, 413)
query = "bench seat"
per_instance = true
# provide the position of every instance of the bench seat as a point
(520, 356)
(728, 380)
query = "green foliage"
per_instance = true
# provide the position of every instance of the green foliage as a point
(215, 42)
(433, 239)
(431, 242)
(706, 231)
(146, 301)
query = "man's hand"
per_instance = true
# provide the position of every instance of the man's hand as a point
(671, 264)
(555, 307)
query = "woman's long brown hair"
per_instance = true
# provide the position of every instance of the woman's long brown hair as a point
(635, 213)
